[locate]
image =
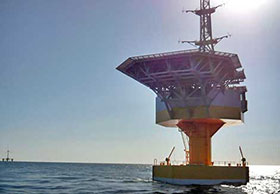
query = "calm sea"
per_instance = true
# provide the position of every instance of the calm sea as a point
(29, 177)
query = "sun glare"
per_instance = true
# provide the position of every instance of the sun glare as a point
(244, 5)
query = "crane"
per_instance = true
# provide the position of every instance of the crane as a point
(243, 159)
(168, 158)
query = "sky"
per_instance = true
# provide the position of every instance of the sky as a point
(61, 98)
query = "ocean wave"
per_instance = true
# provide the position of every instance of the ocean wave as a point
(103, 178)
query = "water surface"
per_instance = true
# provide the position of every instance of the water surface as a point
(31, 177)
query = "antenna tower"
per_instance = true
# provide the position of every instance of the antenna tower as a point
(206, 42)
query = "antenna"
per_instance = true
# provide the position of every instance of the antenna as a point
(206, 42)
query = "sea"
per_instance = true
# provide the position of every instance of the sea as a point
(40, 177)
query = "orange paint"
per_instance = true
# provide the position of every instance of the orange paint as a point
(200, 132)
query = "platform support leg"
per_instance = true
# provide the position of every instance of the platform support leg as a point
(200, 132)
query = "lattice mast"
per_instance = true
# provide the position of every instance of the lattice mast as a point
(205, 26)
(206, 42)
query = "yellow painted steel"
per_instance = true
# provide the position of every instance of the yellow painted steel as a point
(196, 112)
(200, 132)
(202, 172)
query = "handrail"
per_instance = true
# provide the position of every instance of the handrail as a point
(214, 163)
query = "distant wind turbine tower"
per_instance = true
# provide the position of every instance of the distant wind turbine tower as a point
(198, 91)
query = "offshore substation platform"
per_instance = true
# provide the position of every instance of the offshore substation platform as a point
(198, 91)
(8, 159)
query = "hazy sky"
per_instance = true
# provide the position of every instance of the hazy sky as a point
(61, 98)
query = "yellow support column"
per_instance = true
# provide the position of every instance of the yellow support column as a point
(200, 132)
